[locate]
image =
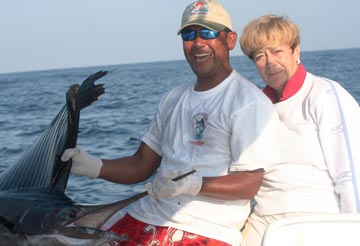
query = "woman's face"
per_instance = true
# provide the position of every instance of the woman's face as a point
(277, 65)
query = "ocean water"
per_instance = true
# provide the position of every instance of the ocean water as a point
(111, 127)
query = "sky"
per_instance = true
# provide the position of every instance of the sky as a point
(42, 34)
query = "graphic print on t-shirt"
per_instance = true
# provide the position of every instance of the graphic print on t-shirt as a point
(199, 122)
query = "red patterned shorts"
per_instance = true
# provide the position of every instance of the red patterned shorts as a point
(141, 234)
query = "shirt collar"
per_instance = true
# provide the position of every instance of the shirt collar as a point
(291, 87)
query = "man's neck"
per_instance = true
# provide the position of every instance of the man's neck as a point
(207, 83)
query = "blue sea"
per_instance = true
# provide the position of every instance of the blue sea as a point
(111, 127)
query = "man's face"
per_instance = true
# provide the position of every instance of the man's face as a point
(207, 57)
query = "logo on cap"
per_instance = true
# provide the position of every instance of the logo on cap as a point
(198, 8)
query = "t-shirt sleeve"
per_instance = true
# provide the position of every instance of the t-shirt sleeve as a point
(153, 135)
(254, 132)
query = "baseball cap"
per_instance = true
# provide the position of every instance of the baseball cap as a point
(207, 13)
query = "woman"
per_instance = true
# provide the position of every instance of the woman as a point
(317, 153)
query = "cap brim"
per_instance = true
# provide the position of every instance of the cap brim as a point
(212, 26)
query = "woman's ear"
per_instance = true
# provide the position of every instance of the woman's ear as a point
(297, 52)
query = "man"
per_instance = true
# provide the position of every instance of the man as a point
(317, 153)
(221, 126)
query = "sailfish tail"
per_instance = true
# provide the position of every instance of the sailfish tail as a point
(77, 98)
(89, 92)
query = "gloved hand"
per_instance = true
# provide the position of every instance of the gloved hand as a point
(82, 163)
(164, 185)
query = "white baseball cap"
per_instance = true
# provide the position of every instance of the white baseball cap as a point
(207, 13)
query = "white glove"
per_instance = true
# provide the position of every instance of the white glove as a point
(164, 186)
(83, 164)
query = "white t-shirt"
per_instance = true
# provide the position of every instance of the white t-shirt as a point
(317, 153)
(226, 129)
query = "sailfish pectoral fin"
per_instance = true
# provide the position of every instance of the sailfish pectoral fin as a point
(7, 224)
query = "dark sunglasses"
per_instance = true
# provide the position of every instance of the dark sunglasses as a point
(188, 34)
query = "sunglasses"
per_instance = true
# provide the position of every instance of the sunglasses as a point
(188, 34)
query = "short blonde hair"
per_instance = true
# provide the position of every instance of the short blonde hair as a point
(269, 31)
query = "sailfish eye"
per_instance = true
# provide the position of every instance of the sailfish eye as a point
(72, 212)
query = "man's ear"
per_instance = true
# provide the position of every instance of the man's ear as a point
(231, 40)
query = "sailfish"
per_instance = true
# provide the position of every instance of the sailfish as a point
(34, 207)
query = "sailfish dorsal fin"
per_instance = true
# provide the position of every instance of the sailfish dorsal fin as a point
(40, 166)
